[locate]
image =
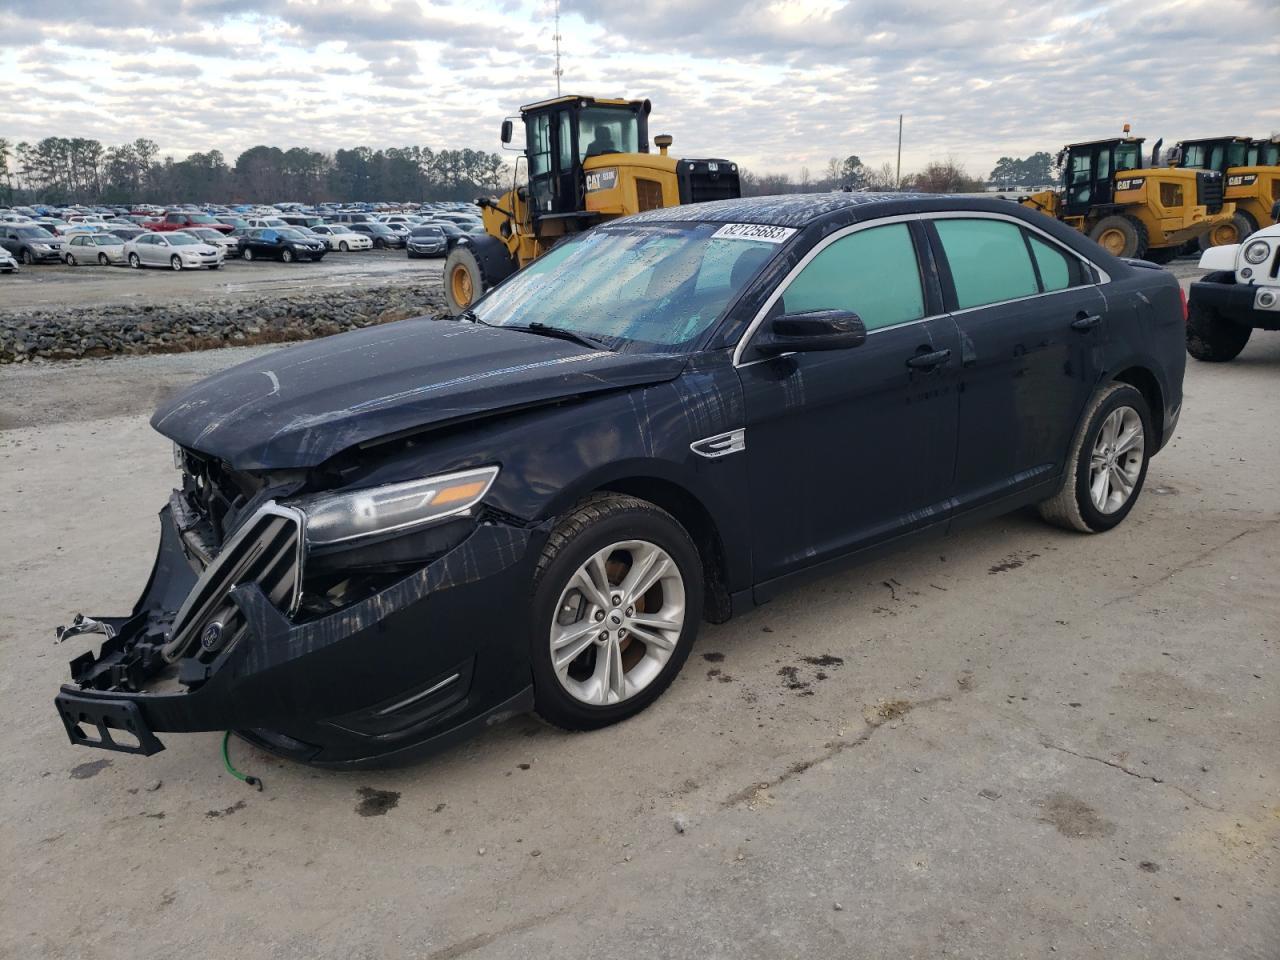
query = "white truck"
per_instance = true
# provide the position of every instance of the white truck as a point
(1240, 294)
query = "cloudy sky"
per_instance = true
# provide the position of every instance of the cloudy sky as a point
(775, 85)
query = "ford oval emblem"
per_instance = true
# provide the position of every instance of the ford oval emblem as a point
(212, 636)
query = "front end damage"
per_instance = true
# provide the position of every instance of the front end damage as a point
(348, 655)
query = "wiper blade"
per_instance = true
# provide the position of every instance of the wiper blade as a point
(547, 330)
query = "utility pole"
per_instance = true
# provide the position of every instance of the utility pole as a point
(897, 177)
(559, 71)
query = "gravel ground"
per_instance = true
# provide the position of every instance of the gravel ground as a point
(1017, 742)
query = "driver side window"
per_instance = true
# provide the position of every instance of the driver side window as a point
(872, 272)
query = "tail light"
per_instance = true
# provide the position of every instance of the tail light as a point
(1182, 295)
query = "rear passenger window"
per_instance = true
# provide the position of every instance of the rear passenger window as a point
(989, 261)
(1057, 270)
(872, 272)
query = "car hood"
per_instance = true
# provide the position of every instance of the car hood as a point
(302, 405)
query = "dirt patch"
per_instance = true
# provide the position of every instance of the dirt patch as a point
(376, 803)
(1072, 817)
(1012, 562)
(713, 657)
(887, 710)
(792, 677)
(83, 771)
(826, 660)
(225, 811)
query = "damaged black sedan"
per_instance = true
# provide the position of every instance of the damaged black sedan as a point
(386, 540)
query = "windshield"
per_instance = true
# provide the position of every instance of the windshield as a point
(604, 130)
(645, 287)
(200, 218)
(1128, 156)
(35, 233)
(182, 239)
(290, 234)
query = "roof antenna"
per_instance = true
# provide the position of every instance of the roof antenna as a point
(559, 71)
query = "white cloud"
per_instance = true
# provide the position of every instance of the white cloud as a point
(774, 84)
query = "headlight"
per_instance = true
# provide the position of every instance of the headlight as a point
(41, 246)
(1257, 251)
(336, 518)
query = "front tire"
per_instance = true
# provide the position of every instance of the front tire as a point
(1107, 465)
(1211, 337)
(69, 260)
(287, 255)
(175, 263)
(1120, 236)
(103, 261)
(616, 605)
(135, 261)
(248, 253)
(342, 246)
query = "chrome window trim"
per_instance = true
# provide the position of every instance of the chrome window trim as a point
(744, 341)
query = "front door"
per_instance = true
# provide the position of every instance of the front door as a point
(852, 447)
(1032, 321)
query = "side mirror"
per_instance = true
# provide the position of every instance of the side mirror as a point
(813, 330)
(507, 130)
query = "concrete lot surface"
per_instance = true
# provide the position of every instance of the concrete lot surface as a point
(57, 286)
(1015, 742)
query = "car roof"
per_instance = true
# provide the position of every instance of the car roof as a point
(801, 209)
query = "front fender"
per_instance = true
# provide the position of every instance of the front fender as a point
(1220, 258)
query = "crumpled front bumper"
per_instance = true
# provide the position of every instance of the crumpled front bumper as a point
(410, 669)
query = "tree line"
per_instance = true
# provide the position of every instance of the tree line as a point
(80, 170)
(936, 176)
(60, 170)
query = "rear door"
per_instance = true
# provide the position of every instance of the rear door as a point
(849, 448)
(1031, 323)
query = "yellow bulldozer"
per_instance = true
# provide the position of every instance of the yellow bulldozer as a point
(1148, 212)
(1252, 172)
(585, 160)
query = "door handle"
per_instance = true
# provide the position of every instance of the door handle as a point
(1086, 322)
(929, 361)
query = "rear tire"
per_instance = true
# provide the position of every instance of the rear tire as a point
(1211, 337)
(1120, 236)
(1241, 224)
(603, 521)
(1074, 505)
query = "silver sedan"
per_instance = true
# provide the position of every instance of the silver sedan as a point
(102, 248)
(177, 251)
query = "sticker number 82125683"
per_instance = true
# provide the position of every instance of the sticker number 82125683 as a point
(754, 231)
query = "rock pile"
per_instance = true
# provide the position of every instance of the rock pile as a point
(66, 334)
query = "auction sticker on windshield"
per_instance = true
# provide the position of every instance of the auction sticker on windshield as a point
(754, 231)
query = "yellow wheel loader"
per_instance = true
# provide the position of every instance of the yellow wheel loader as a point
(585, 160)
(1132, 210)
(1252, 172)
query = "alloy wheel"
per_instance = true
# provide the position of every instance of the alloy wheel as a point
(175, 262)
(617, 622)
(1117, 459)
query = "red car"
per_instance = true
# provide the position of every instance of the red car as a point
(180, 221)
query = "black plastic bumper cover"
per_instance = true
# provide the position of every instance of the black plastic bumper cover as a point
(1235, 302)
(462, 614)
